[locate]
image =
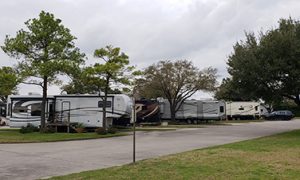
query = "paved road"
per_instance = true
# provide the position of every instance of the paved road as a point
(38, 160)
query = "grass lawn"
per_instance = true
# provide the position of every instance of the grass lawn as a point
(13, 136)
(273, 157)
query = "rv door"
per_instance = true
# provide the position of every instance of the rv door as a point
(65, 111)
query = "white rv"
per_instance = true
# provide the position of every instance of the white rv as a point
(194, 110)
(245, 110)
(85, 109)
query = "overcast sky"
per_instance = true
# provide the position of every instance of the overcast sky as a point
(202, 31)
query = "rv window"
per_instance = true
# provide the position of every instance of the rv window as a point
(108, 104)
(51, 112)
(36, 109)
(19, 109)
(241, 108)
(2, 111)
(221, 109)
(8, 109)
(256, 108)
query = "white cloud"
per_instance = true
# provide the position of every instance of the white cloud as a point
(203, 31)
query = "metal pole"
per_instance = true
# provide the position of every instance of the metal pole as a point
(134, 119)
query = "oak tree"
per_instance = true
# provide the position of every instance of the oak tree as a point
(267, 67)
(177, 81)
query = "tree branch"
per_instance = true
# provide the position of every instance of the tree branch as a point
(33, 83)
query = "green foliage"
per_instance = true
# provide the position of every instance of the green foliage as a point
(45, 50)
(8, 82)
(228, 91)
(28, 129)
(175, 81)
(267, 67)
(14, 136)
(100, 77)
(115, 70)
(288, 105)
(79, 128)
(79, 125)
(82, 83)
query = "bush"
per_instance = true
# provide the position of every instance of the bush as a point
(112, 130)
(29, 129)
(101, 131)
(79, 125)
(48, 130)
(79, 128)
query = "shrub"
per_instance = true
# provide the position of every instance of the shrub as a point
(29, 129)
(101, 131)
(112, 130)
(79, 125)
(79, 128)
(48, 130)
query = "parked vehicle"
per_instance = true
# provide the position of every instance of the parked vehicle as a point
(245, 110)
(147, 111)
(192, 111)
(279, 115)
(85, 109)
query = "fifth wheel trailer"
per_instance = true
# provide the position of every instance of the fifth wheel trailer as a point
(85, 109)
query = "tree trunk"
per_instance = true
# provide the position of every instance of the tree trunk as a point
(297, 100)
(173, 113)
(104, 103)
(44, 101)
(104, 112)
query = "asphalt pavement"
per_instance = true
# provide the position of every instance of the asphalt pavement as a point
(40, 160)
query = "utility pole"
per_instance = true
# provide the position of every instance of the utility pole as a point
(133, 119)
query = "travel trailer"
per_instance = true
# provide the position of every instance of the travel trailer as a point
(245, 110)
(85, 109)
(192, 111)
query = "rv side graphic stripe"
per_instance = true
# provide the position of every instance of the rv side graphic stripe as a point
(25, 120)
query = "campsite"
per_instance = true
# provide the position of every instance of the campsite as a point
(129, 89)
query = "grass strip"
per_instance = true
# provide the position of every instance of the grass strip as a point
(273, 157)
(14, 136)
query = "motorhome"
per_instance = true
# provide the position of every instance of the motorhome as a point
(245, 110)
(193, 111)
(85, 109)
